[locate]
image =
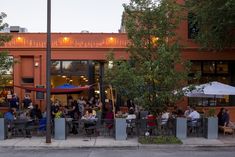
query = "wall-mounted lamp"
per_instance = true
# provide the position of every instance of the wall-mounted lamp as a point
(36, 64)
(19, 39)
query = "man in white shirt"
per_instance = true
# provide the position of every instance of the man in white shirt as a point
(164, 118)
(193, 117)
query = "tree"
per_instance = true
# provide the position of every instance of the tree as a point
(6, 62)
(215, 21)
(151, 72)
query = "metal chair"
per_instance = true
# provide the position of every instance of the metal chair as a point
(131, 126)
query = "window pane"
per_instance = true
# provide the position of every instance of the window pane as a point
(28, 80)
(192, 26)
(209, 67)
(66, 66)
(196, 67)
(81, 66)
(55, 67)
(222, 67)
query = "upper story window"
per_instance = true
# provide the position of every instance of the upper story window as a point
(55, 67)
(192, 26)
(61, 67)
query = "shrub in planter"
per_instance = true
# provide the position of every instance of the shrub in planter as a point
(1, 115)
(211, 112)
(159, 140)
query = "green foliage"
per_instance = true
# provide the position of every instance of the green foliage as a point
(1, 115)
(211, 112)
(6, 62)
(124, 79)
(159, 140)
(215, 20)
(4, 37)
(150, 76)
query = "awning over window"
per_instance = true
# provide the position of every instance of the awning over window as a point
(59, 90)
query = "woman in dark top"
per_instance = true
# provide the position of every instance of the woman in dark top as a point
(220, 117)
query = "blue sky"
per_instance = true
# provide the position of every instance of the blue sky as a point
(67, 15)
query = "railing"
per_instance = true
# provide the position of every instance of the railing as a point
(106, 128)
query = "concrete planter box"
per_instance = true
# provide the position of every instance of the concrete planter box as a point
(3, 129)
(211, 128)
(181, 128)
(60, 129)
(120, 129)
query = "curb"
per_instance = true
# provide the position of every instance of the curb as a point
(139, 146)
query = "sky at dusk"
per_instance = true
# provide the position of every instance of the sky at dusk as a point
(66, 15)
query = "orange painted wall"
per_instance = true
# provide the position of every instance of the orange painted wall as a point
(86, 46)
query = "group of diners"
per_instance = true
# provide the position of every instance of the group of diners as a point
(21, 122)
(76, 109)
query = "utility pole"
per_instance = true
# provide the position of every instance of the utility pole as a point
(48, 74)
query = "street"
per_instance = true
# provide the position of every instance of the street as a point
(118, 152)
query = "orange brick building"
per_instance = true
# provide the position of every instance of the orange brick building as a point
(80, 59)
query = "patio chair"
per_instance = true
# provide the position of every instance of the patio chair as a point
(90, 128)
(42, 126)
(131, 126)
(151, 124)
(108, 126)
(195, 127)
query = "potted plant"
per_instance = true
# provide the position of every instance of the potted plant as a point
(120, 126)
(181, 127)
(211, 124)
(3, 128)
(59, 127)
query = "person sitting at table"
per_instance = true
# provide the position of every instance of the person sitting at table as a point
(26, 101)
(9, 116)
(14, 102)
(89, 120)
(130, 119)
(74, 111)
(151, 123)
(193, 117)
(164, 117)
(89, 115)
(98, 105)
(36, 113)
(131, 114)
(92, 110)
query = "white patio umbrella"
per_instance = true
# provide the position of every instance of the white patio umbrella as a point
(209, 90)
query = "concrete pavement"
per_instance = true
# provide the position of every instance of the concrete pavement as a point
(104, 142)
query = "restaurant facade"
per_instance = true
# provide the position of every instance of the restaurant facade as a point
(81, 59)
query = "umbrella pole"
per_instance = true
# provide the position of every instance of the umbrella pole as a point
(215, 100)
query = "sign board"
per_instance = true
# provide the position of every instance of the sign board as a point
(39, 95)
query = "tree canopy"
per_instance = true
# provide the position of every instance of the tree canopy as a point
(6, 62)
(215, 20)
(151, 76)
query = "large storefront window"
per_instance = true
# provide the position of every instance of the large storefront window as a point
(220, 71)
(76, 73)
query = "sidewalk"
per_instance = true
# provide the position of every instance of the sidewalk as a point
(103, 142)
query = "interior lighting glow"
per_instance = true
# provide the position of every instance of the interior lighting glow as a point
(65, 39)
(19, 39)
